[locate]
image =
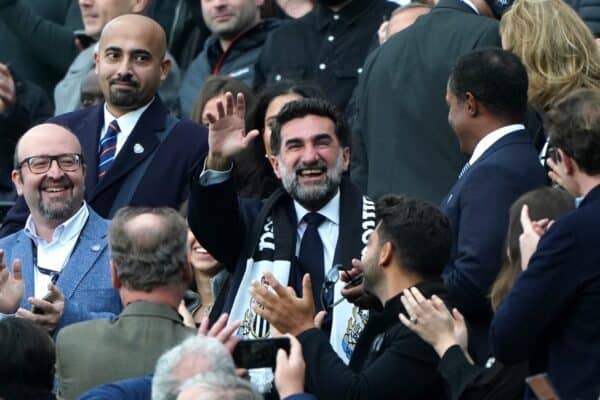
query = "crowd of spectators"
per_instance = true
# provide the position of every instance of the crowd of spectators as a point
(299, 199)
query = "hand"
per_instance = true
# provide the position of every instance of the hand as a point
(356, 295)
(284, 310)
(529, 239)
(51, 312)
(11, 286)
(188, 319)
(289, 370)
(8, 94)
(227, 135)
(431, 320)
(220, 331)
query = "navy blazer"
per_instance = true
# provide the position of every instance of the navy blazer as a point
(85, 280)
(551, 316)
(477, 207)
(166, 179)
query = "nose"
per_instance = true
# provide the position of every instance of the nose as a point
(310, 154)
(124, 68)
(55, 171)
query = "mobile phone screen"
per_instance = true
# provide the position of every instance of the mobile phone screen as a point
(259, 353)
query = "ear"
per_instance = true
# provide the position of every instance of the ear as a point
(471, 106)
(139, 6)
(386, 254)
(274, 160)
(116, 283)
(17, 180)
(165, 67)
(567, 163)
(96, 61)
(346, 155)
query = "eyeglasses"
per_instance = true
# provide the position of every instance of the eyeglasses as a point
(333, 275)
(41, 164)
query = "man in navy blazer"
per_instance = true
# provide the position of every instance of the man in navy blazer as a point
(137, 153)
(551, 316)
(487, 97)
(63, 249)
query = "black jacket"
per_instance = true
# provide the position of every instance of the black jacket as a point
(388, 362)
(324, 47)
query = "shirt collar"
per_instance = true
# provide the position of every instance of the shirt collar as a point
(331, 210)
(471, 5)
(126, 121)
(491, 138)
(348, 14)
(63, 232)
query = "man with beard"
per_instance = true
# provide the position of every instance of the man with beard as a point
(407, 251)
(317, 221)
(138, 154)
(328, 46)
(55, 271)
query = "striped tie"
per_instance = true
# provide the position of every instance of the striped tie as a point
(464, 169)
(108, 147)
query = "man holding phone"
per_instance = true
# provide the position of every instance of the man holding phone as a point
(550, 317)
(55, 271)
(409, 247)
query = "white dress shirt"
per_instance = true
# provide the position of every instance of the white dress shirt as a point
(126, 122)
(492, 138)
(55, 254)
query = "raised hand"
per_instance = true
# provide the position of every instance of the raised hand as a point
(11, 286)
(431, 320)
(284, 310)
(289, 371)
(8, 94)
(532, 231)
(221, 331)
(227, 135)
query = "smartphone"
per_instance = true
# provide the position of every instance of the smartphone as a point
(259, 353)
(357, 280)
(49, 297)
(542, 387)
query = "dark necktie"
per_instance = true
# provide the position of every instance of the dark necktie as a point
(108, 148)
(311, 254)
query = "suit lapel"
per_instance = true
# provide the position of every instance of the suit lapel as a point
(140, 144)
(89, 247)
(24, 251)
(88, 132)
(515, 137)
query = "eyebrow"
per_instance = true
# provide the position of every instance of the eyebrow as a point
(317, 137)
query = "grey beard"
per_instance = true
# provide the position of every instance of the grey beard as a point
(68, 209)
(316, 196)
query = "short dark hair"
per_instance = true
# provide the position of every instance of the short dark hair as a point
(151, 258)
(419, 231)
(28, 357)
(304, 107)
(573, 125)
(496, 78)
(281, 88)
(218, 85)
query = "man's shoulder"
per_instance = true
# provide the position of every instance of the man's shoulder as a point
(8, 241)
(70, 119)
(80, 330)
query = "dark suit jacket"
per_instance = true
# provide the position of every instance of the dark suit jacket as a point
(165, 181)
(551, 316)
(477, 207)
(103, 351)
(402, 141)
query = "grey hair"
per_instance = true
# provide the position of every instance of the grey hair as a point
(219, 386)
(148, 256)
(209, 354)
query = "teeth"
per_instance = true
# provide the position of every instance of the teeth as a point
(199, 250)
(54, 190)
(311, 172)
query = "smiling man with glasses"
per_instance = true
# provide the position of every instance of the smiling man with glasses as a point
(55, 271)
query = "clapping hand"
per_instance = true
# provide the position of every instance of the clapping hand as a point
(51, 309)
(8, 93)
(227, 135)
(11, 286)
(431, 320)
(532, 231)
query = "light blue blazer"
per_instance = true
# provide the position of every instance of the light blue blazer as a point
(85, 280)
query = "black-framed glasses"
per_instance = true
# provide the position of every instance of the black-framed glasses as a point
(68, 162)
(328, 286)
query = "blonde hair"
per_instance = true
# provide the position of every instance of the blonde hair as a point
(555, 45)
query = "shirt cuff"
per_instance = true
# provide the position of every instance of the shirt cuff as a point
(211, 177)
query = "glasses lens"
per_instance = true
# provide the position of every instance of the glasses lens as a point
(68, 162)
(39, 165)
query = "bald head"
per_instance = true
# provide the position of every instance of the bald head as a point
(41, 138)
(136, 24)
